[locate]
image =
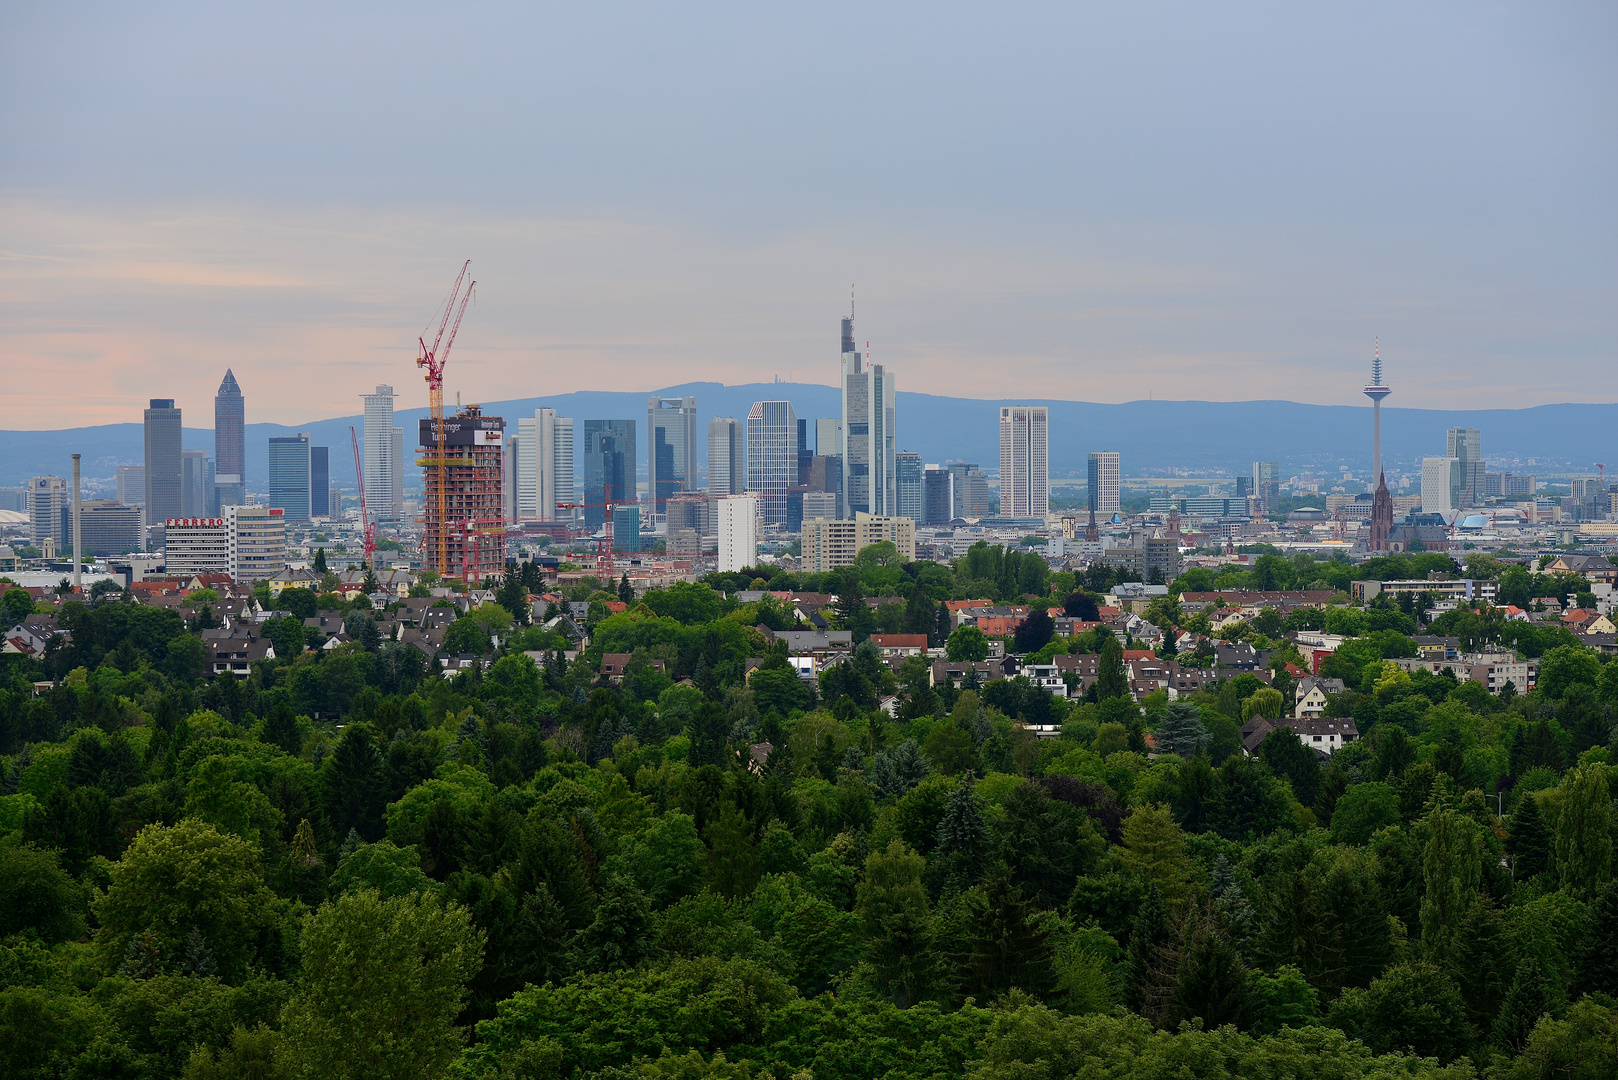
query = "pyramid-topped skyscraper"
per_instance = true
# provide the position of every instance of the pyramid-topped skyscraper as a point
(229, 444)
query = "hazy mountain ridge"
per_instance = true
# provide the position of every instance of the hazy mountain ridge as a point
(1151, 434)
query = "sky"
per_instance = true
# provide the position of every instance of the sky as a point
(1097, 202)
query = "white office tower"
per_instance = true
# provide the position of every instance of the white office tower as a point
(256, 542)
(47, 495)
(726, 472)
(1104, 466)
(1025, 486)
(738, 532)
(381, 456)
(1466, 446)
(869, 421)
(671, 447)
(772, 456)
(196, 545)
(544, 466)
(1442, 484)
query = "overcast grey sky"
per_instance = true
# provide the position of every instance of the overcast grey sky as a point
(1087, 201)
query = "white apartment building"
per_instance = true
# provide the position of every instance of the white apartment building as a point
(828, 544)
(256, 538)
(739, 528)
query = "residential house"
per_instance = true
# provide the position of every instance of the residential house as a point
(902, 645)
(290, 578)
(1322, 735)
(1438, 648)
(1591, 567)
(1309, 695)
(614, 666)
(1240, 656)
(30, 636)
(954, 671)
(236, 655)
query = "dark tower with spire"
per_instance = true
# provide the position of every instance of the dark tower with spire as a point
(229, 444)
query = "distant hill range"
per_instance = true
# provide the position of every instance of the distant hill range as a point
(1152, 435)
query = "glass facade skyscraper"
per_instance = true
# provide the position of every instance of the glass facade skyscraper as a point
(868, 433)
(165, 497)
(196, 484)
(607, 462)
(907, 484)
(772, 456)
(671, 447)
(320, 481)
(290, 476)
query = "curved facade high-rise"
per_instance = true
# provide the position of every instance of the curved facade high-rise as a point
(229, 444)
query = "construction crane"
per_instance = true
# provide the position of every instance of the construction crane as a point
(366, 524)
(604, 549)
(434, 360)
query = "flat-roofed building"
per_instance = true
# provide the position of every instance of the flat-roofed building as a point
(828, 544)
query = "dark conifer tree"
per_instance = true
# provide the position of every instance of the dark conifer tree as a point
(1211, 980)
(356, 788)
(1111, 679)
(281, 729)
(1531, 996)
(963, 840)
(620, 936)
(1529, 841)
(1598, 965)
(1149, 935)
(1009, 949)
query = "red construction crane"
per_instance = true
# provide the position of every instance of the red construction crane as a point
(434, 361)
(366, 524)
(604, 551)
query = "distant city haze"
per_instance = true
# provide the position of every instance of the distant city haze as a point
(1043, 202)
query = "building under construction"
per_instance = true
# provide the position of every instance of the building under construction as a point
(470, 514)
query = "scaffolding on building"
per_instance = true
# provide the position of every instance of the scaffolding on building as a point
(472, 527)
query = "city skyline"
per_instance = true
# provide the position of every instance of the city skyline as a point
(1217, 202)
